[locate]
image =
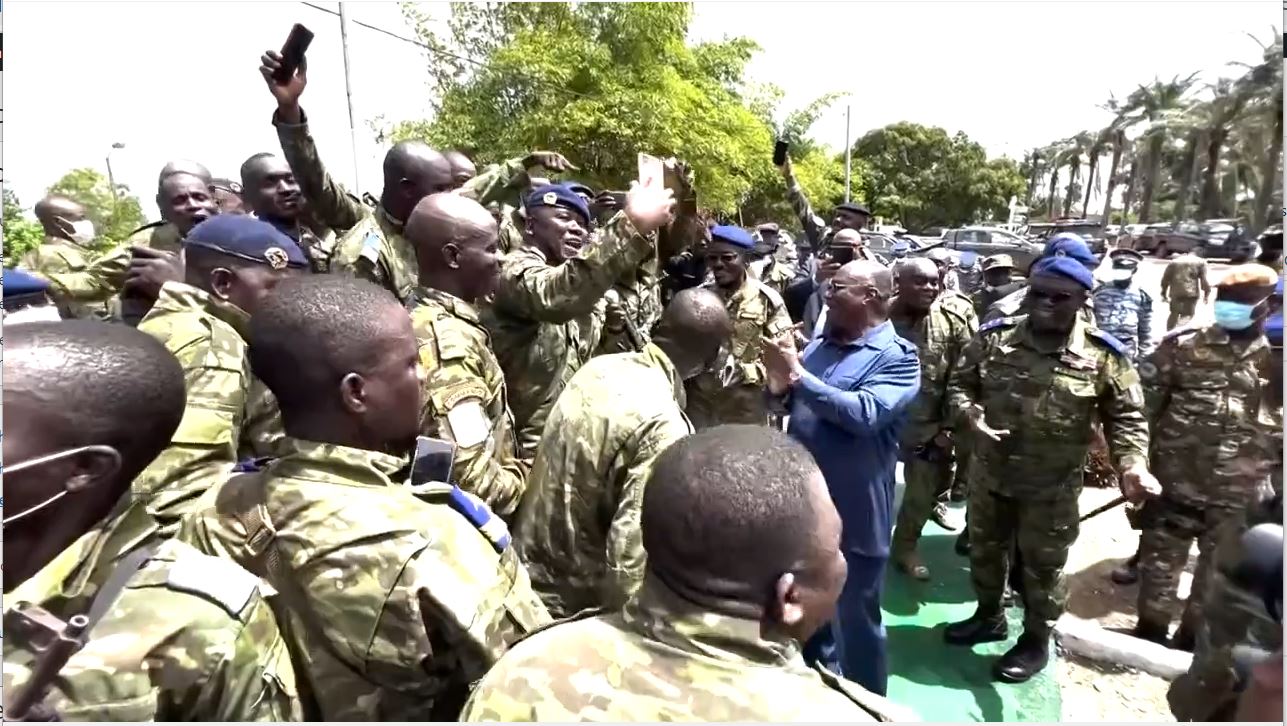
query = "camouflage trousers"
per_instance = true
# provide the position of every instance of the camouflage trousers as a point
(927, 483)
(1169, 531)
(1044, 531)
(1182, 311)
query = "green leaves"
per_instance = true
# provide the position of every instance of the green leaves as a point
(21, 235)
(114, 217)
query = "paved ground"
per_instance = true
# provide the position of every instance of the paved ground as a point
(945, 683)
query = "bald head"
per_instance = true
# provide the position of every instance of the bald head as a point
(455, 240)
(692, 328)
(867, 272)
(442, 218)
(184, 166)
(462, 168)
(848, 237)
(57, 213)
(412, 171)
(914, 266)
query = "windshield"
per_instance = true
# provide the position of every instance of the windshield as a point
(1085, 230)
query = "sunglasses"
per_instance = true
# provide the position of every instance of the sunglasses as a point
(1054, 297)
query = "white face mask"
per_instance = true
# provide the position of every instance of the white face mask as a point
(49, 458)
(32, 314)
(82, 231)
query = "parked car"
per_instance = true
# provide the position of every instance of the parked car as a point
(1090, 231)
(987, 241)
(1166, 239)
(1220, 240)
(1128, 234)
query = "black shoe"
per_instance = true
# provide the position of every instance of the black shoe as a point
(1153, 632)
(963, 543)
(939, 515)
(1026, 659)
(977, 629)
(957, 495)
(1184, 639)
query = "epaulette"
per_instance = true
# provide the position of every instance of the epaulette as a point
(768, 292)
(1006, 322)
(1107, 339)
(219, 580)
(482, 517)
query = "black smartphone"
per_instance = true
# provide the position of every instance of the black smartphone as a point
(841, 254)
(619, 198)
(293, 52)
(779, 152)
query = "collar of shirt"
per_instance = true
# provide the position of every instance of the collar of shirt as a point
(1214, 335)
(1076, 343)
(176, 297)
(657, 358)
(877, 337)
(456, 306)
(336, 464)
(660, 614)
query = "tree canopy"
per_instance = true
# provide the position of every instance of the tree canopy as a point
(114, 218)
(20, 234)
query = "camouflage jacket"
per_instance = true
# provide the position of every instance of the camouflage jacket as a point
(394, 601)
(63, 257)
(207, 339)
(464, 398)
(578, 525)
(262, 431)
(1048, 400)
(816, 231)
(104, 276)
(191, 638)
(1185, 278)
(369, 242)
(546, 320)
(1126, 313)
(735, 393)
(660, 659)
(940, 337)
(1205, 392)
(639, 291)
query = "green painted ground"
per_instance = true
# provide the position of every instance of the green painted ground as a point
(947, 683)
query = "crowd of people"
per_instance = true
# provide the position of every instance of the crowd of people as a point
(497, 447)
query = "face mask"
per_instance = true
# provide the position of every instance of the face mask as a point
(1121, 277)
(41, 461)
(32, 314)
(1234, 315)
(82, 231)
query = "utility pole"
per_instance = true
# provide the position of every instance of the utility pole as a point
(848, 153)
(348, 93)
(111, 178)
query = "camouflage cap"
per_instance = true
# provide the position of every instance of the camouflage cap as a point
(1250, 275)
(996, 262)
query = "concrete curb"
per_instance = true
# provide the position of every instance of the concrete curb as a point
(1088, 640)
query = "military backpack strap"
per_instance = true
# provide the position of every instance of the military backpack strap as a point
(115, 585)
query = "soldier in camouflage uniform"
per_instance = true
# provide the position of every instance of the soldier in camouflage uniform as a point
(816, 232)
(231, 263)
(464, 389)
(227, 196)
(1030, 387)
(733, 391)
(1065, 244)
(184, 638)
(770, 264)
(273, 195)
(578, 526)
(743, 564)
(940, 332)
(1184, 284)
(1205, 388)
(1125, 310)
(185, 200)
(68, 234)
(394, 597)
(547, 315)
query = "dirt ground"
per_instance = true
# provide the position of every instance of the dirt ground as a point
(1090, 691)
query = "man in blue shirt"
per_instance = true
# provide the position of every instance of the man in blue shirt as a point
(847, 396)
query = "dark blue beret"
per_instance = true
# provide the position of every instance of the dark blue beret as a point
(557, 195)
(247, 238)
(1069, 244)
(1067, 267)
(733, 235)
(20, 282)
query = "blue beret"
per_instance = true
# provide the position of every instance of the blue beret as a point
(20, 282)
(730, 234)
(247, 238)
(1067, 244)
(577, 187)
(1067, 267)
(968, 258)
(557, 195)
(1274, 329)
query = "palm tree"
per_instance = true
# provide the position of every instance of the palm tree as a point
(1216, 119)
(1264, 82)
(1156, 104)
(1078, 146)
(1100, 141)
(1197, 142)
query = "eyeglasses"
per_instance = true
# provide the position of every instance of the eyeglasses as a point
(1054, 297)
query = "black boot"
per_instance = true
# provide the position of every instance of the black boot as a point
(1024, 660)
(1153, 632)
(963, 543)
(1129, 573)
(1184, 639)
(979, 628)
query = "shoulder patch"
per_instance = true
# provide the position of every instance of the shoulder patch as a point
(482, 517)
(468, 422)
(221, 581)
(774, 298)
(1006, 322)
(371, 248)
(1114, 344)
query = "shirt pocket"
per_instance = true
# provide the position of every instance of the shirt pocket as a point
(1200, 393)
(1068, 405)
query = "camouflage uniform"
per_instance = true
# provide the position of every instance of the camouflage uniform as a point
(663, 658)
(940, 338)
(969, 281)
(207, 338)
(190, 638)
(58, 256)
(464, 398)
(816, 231)
(393, 601)
(369, 243)
(1185, 282)
(640, 293)
(1205, 391)
(1013, 304)
(102, 279)
(261, 430)
(1027, 484)
(1126, 313)
(546, 320)
(1233, 616)
(578, 526)
(735, 394)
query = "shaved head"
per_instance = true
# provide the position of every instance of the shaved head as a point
(692, 328)
(867, 272)
(412, 171)
(455, 240)
(913, 265)
(848, 237)
(184, 166)
(462, 168)
(56, 206)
